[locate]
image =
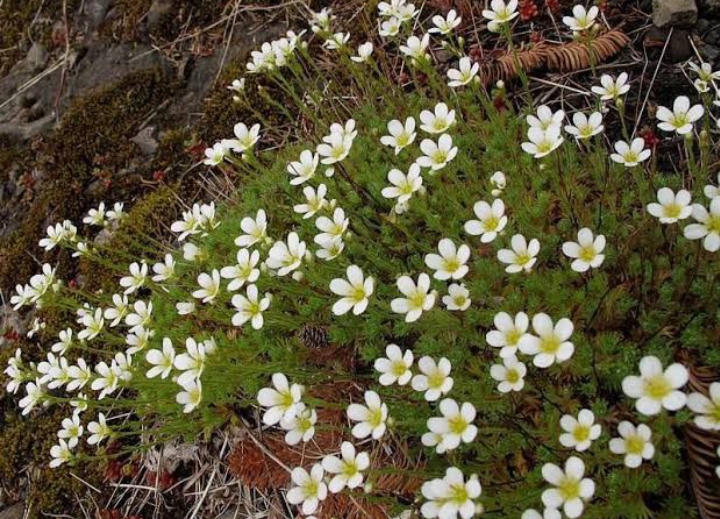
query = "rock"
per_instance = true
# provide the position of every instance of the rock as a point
(710, 53)
(25, 131)
(145, 140)
(37, 56)
(14, 512)
(674, 13)
(96, 10)
(157, 12)
(710, 6)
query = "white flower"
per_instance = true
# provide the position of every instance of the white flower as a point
(438, 121)
(191, 395)
(24, 295)
(434, 379)
(708, 226)
(656, 389)
(71, 430)
(416, 48)
(708, 409)
(60, 454)
(406, 12)
(458, 297)
(680, 120)
(396, 367)
(467, 71)
(571, 490)
(522, 256)
(330, 250)
(245, 138)
(108, 379)
(579, 432)
(542, 142)
(65, 342)
(162, 361)
(354, 292)
(250, 307)
(705, 72)
(99, 430)
(286, 257)
(501, 13)
(332, 230)
(510, 374)
(301, 427)
(403, 186)
(634, 442)
(348, 470)
(117, 212)
(165, 270)
(371, 417)
(255, 230)
(451, 496)
(445, 25)
(96, 216)
(630, 155)
(498, 182)
(185, 308)
(545, 118)
(337, 41)
(437, 156)
(315, 201)
(587, 252)
(304, 169)
(139, 339)
(400, 136)
(453, 427)
(34, 395)
(58, 234)
(216, 155)
(390, 9)
(136, 279)
(321, 21)
(191, 363)
(245, 271)
(210, 286)
(237, 85)
(309, 489)
(585, 127)
(712, 191)
(79, 374)
(335, 149)
(451, 262)
(548, 513)
(582, 19)
(282, 400)
(612, 88)
(139, 317)
(389, 28)
(418, 297)
(491, 220)
(671, 207)
(551, 344)
(365, 50)
(508, 332)
(94, 324)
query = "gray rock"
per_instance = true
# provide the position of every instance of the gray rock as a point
(96, 10)
(674, 13)
(145, 140)
(710, 52)
(37, 56)
(157, 12)
(14, 512)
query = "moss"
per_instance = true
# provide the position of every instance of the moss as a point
(86, 160)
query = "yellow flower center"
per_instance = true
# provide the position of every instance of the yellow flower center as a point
(657, 387)
(398, 368)
(491, 224)
(631, 157)
(457, 424)
(672, 210)
(436, 380)
(512, 376)
(581, 433)
(451, 264)
(512, 337)
(458, 494)
(417, 300)
(587, 254)
(402, 140)
(634, 444)
(358, 294)
(549, 345)
(440, 157)
(713, 224)
(569, 488)
(376, 418)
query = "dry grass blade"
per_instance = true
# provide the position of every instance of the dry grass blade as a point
(702, 452)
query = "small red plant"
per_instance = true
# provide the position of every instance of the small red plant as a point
(528, 10)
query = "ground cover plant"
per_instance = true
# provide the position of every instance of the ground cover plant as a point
(434, 298)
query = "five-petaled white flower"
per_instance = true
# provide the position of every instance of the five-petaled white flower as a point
(371, 417)
(451, 496)
(437, 155)
(354, 291)
(586, 252)
(365, 50)
(571, 490)
(303, 169)
(707, 408)
(282, 400)
(162, 361)
(522, 256)
(545, 118)
(136, 279)
(309, 488)
(551, 344)
(60, 453)
(98, 430)
(491, 220)
(453, 427)
(401, 135)
(579, 432)
(191, 395)
(634, 442)
(457, 298)
(403, 186)
(434, 378)
(216, 155)
(71, 430)
(332, 229)
(467, 71)
(245, 138)
(245, 271)
(508, 332)
(209, 286)
(510, 374)
(542, 142)
(680, 120)
(437, 121)
(250, 307)
(301, 427)
(612, 88)
(584, 127)
(418, 297)
(451, 262)
(670, 206)
(255, 230)
(656, 388)
(347, 470)
(286, 257)
(445, 25)
(500, 14)
(416, 48)
(630, 155)
(582, 19)
(314, 201)
(708, 226)
(395, 367)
